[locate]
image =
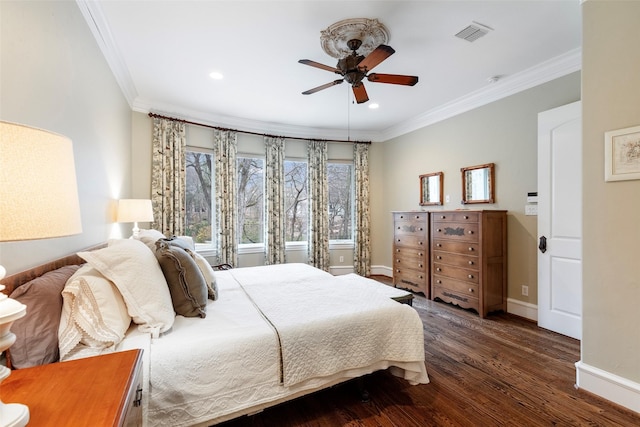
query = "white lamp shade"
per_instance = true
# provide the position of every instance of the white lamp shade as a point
(38, 189)
(135, 210)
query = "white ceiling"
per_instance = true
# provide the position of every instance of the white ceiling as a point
(162, 52)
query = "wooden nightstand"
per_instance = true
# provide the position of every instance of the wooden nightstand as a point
(96, 391)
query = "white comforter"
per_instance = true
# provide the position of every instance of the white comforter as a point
(205, 371)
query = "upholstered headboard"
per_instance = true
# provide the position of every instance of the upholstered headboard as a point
(18, 279)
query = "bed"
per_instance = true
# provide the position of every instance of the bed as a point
(273, 333)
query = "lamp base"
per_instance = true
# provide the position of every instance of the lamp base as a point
(13, 415)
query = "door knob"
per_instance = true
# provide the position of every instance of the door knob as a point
(543, 244)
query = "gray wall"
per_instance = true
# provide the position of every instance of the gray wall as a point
(503, 132)
(611, 210)
(54, 77)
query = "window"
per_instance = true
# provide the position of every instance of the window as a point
(295, 201)
(340, 179)
(250, 200)
(199, 197)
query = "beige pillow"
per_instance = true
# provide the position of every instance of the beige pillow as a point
(133, 268)
(187, 286)
(208, 274)
(94, 316)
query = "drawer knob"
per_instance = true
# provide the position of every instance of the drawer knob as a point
(438, 281)
(438, 245)
(401, 216)
(417, 216)
(470, 262)
(420, 254)
(397, 250)
(398, 260)
(470, 276)
(465, 217)
(471, 290)
(398, 240)
(438, 269)
(442, 217)
(471, 248)
(420, 229)
(470, 231)
(421, 243)
(420, 276)
(439, 257)
(420, 265)
(439, 230)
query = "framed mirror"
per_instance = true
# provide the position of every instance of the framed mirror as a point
(431, 185)
(478, 184)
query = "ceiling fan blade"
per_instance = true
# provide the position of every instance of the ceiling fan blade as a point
(360, 93)
(319, 65)
(394, 79)
(324, 86)
(378, 55)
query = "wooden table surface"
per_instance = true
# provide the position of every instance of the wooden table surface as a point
(84, 392)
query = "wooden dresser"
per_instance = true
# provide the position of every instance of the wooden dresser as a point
(469, 259)
(411, 251)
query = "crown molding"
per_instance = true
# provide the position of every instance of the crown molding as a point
(544, 72)
(93, 15)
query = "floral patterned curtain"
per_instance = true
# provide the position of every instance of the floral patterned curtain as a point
(168, 176)
(362, 242)
(225, 148)
(274, 201)
(318, 194)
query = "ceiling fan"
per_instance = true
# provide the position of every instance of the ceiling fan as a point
(354, 68)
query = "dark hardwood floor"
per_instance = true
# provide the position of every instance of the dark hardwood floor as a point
(499, 371)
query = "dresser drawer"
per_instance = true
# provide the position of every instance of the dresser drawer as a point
(420, 217)
(455, 259)
(464, 274)
(413, 241)
(456, 217)
(469, 289)
(401, 251)
(410, 228)
(447, 295)
(457, 247)
(415, 279)
(414, 263)
(460, 231)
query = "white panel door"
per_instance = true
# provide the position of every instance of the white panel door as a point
(560, 220)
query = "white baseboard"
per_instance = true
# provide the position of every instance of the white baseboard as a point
(609, 386)
(522, 309)
(381, 270)
(341, 269)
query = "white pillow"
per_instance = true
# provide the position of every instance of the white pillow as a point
(94, 316)
(207, 272)
(149, 238)
(133, 268)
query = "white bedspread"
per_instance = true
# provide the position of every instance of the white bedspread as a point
(205, 371)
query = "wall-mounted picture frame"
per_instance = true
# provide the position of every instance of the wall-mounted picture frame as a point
(622, 154)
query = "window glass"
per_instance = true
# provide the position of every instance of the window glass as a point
(295, 204)
(340, 179)
(199, 197)
(250, 200)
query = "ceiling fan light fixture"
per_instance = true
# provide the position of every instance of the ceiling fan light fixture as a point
(216, 75)
(374, 106)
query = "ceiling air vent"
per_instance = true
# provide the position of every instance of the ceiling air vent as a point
(473, 32)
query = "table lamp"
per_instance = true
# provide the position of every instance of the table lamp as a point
(135, 210)
(38, 200)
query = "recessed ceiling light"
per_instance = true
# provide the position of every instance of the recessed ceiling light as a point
(373, 106)
(216, 75)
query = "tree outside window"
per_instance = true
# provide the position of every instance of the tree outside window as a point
(199, 196)
(295, 202)
(251, 200)
(340, 178)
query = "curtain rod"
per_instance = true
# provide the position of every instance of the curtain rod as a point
(158, 116)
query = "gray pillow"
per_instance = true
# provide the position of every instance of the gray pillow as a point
(187, 285)
(37, 332)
